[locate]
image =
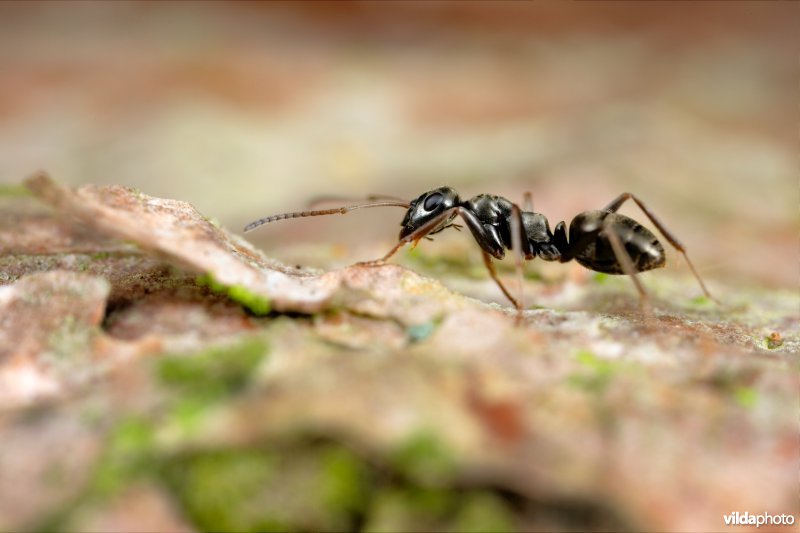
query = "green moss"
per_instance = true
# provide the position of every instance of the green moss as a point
(187, 414)
(746, 397)
(216, 371)
(410, 509)
(298, 489)
(483, 511)
(424, 459)
(14, 191)
(222, 490)
(201, 380)
(596, 373)
(701, 301)
(344, 481)
(128, 453)
(460, 264)
(257, 304)
(463, 265)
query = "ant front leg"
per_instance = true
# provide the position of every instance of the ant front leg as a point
(416, 235)
(614, 206)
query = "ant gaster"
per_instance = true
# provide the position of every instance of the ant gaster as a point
(604, 241)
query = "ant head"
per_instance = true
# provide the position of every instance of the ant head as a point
(427, 207)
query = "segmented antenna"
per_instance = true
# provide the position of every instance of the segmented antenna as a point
(336, 211)
(330, 198)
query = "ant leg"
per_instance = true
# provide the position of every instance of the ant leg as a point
(487, 260)
(415, 236)
(624, 259)
(490, 246)
(516, 245)
(527, 202)
(617, 203)
(607, 228)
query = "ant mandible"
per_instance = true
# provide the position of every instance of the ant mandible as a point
(604, 241)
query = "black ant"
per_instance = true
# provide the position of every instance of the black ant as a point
(604, 241)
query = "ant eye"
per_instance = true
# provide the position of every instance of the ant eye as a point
(433, 201)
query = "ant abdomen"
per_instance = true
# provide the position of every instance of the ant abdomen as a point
(643, 248)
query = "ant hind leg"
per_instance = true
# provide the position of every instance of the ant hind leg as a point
(614, 206)
(624, 259)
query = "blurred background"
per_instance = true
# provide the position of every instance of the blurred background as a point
(245, 109)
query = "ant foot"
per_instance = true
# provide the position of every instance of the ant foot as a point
(373, 263)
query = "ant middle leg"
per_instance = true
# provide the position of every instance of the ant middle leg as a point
(487, 260)
(517, 235)
(527, 202)
(614, 206)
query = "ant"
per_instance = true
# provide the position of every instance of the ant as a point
(604, 241)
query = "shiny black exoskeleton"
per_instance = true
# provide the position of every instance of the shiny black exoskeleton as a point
(603, 241)
(490, 219)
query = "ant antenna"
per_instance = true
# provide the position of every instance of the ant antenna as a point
(336, 211)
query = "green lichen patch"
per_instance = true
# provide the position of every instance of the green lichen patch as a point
(316, 487)
(344, 481)
(425, 459)
(129, 453)
(483, 511)
(225, 490)
(257, 304)
(701, 301)
(398, 508)
(215, 372)
(452, 264)
(413, 508)
(14, 191)
(595, 374)
(746, 397)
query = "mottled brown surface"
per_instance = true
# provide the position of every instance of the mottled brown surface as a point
(590, 415)
(580, 410)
